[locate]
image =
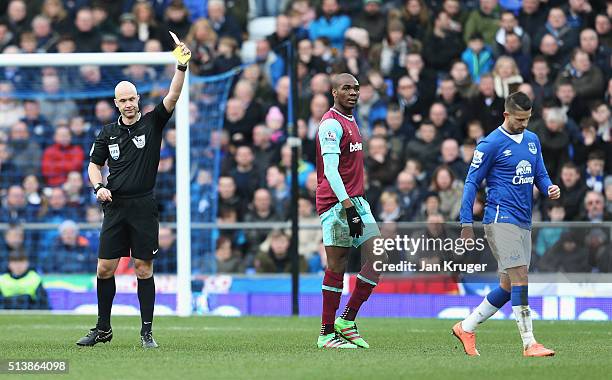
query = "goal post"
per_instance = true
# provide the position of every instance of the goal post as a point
(183, 216)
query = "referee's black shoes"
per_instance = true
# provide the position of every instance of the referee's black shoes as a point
(147, 340)
(94, 336)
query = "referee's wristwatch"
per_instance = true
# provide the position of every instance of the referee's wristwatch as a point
(98, 186)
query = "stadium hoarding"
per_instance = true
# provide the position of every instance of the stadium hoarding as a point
(397, 297)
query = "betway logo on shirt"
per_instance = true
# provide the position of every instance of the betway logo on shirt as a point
(355, 147)
(523, 173)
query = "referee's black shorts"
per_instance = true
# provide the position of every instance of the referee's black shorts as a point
(130, 226)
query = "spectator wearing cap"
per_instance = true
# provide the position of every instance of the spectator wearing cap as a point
(22, 287)
(87, 37)
(128, 37)
(567, 256)
(370, 20)
(573, 191)
(330, 24)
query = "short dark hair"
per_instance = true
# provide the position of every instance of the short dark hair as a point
(518, 101)
(570, 165)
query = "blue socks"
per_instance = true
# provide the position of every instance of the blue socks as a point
(520, 295)
(498, 297)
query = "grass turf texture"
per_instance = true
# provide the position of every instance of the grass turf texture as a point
(283, 348)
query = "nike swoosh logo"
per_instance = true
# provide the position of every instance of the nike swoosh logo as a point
(112, 138)
(147, 323)
(154, 252)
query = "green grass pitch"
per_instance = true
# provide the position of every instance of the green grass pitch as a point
(284, 348)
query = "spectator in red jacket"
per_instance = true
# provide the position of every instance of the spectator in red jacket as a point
(61, 158)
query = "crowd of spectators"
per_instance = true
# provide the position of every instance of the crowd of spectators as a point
(433, 78)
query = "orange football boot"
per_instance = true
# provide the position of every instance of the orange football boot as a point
(538, 350)
(468, 339)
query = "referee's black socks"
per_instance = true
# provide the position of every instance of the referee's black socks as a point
(106, 292)
(146, 297)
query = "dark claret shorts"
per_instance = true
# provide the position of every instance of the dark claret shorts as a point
(130, 226)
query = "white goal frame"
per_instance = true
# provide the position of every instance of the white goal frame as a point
(183, 196)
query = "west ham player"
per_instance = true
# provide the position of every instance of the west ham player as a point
(343, 212)
(510, 158)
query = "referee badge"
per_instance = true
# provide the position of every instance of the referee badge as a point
(139, 141)
(532, 148)
(114, 151)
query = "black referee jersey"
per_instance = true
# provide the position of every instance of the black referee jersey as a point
(132, 152)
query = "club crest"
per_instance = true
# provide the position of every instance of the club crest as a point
(532, 148)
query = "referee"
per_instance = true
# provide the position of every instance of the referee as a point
(131, 147)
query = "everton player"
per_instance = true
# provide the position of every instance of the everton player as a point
(345, 215)
(510, 158)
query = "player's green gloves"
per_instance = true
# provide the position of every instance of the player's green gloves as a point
(354, 222)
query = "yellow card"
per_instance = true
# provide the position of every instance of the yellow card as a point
(178, 52)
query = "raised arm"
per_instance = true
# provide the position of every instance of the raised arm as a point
(177, 81)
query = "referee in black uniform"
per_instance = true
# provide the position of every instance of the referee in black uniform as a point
(131, 147)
